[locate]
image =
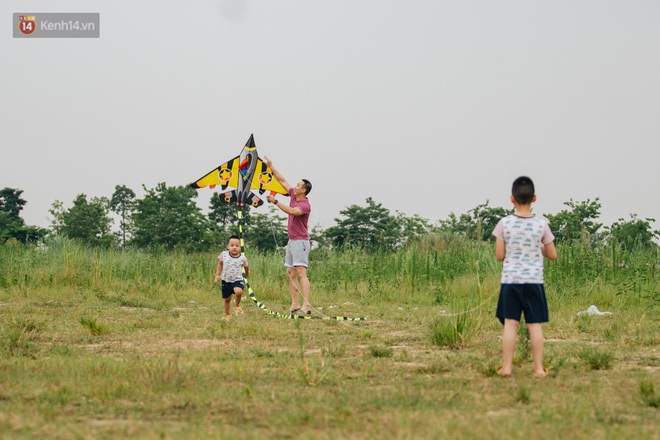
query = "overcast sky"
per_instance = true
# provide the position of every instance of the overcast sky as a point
(427, 106)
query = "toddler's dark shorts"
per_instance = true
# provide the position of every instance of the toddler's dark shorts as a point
(522, 299)
(228, 288)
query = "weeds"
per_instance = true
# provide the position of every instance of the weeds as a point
(164, 372)
(19, 339)
(434, 368)
(262, 353)
(381, 351)
(313, 371)
(488, 370)
(523, 395)
(95, 328)
(648, 394)
(454, 331)
(597, 359)
(556, 365)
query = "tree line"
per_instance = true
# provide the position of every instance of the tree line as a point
(168, 218)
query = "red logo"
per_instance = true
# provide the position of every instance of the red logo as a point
(27, 24)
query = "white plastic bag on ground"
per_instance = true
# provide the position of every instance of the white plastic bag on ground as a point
(593, 310)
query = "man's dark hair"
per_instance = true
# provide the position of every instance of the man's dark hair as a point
(308, 186)
(523, 190)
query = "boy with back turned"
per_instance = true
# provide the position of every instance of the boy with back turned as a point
(522, 241)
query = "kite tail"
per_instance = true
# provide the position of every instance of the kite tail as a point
(272, 312)
(247, 283)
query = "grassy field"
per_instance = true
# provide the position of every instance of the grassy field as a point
(105, 344)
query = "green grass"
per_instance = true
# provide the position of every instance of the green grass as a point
(597, 359)
(131, 345)
(648, 394)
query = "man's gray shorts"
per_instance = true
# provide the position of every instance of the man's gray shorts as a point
(297, 253)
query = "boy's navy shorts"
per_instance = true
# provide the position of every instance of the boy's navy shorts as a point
(228, 288)
(527, 299)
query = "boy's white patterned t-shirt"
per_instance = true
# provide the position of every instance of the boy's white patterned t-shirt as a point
(523, 259)
(232, 267)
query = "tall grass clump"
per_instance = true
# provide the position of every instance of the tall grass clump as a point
(18, 339)
(523, 345)
(469, 307)
(95, 328)
(597, 359)
(451, 331)
(165, 372)
(648, 394)
(381, 351)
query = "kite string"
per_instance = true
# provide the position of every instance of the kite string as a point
(446, 315)
(481, 304)
(463, 312)
(263, 306)
(239, 214)
(291, 279)
(295, 283)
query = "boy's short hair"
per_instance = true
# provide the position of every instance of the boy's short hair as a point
(234, 236)
(523, 190)
(308, 186)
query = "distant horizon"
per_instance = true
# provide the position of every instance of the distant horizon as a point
(264, 208)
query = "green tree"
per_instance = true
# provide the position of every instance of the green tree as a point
(371, 227)
(455, 225)
(57, 217)
(634, 233)
(11, 205)
(122, 204)
(266, 232)
(9, 226)
(87, 221)
(168, 217)
(478, 223)
(224, 214)
(576, 223)
(224, 219)
(11, 201)
(11, 223)
(317, 236)
(412, 227)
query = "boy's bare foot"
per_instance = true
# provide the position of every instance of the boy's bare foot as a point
(502, 373)
(227, 318)
(539, 375)
(238, 311)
